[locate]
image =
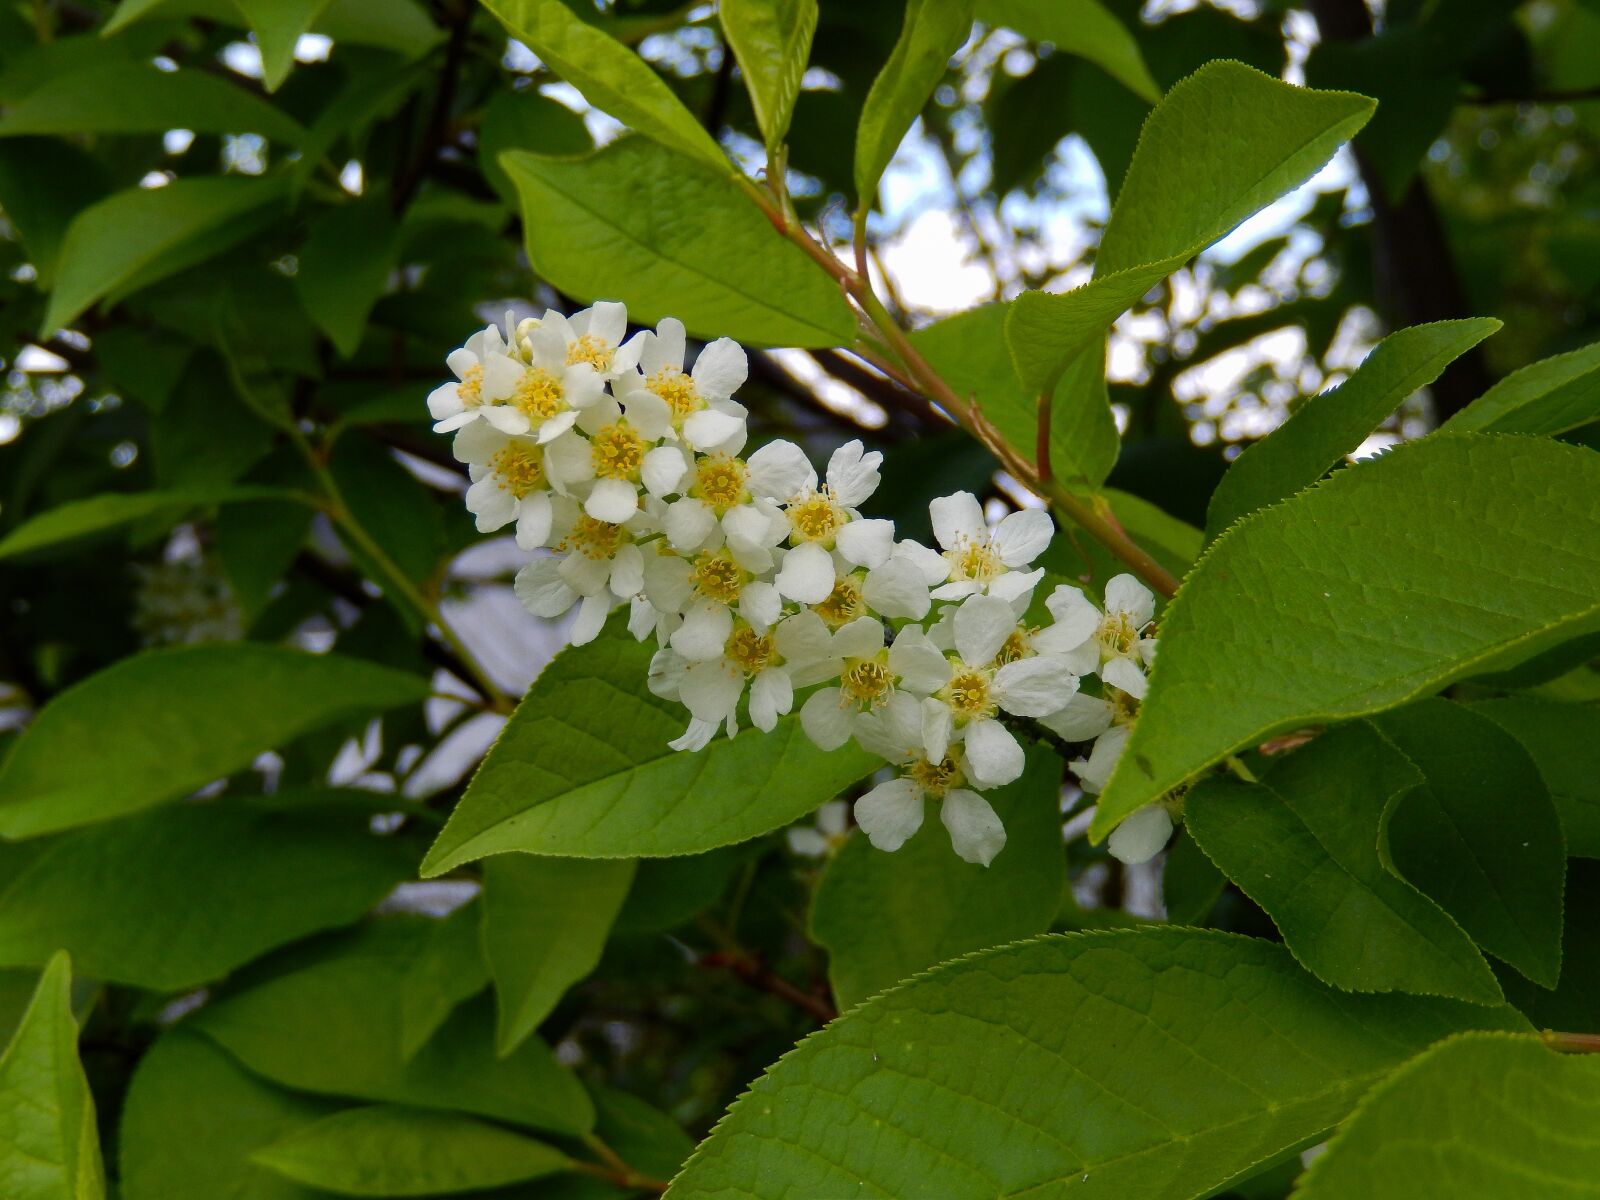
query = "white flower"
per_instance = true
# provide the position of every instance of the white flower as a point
(965, 692)
(597, 563)
(1141, 835)
(508, 482)
(1114, 640)
(857, 657)
(485, 375)
(825, 836)
(1083, 719)
(892, 812)
(702, 410)
(1095, 771)
(549, 390)
(611, 452)
(711, 687)
(983, 560)
(592, 337)
(825, 522)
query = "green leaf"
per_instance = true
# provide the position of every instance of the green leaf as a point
(545, 922)
(969, 351)
(526, 121)
(447, 969)
(771, 39)
(256, 542)
(1303, 844)
(278, 25)
(1329, 426)
(1529, 1129)
(611, 77)
(1482, 839)
(1190, 882)
(1299, 615)
(150, 233)
(136, 98)
(96, 514)
(385, 1150)
(160, 724)
(627, 794)
(1085, 28)
(170, 899)
(884, 917)
(345, 265)
(933, 31)
(326, 1017)
(1157, 1062)
(644, 1137)
(44, 183)
(1574, 1003)
(49, 1147)
(191, 1120)
(1545, 398)
(1564, 740)
(670, 238)
(1225, 142)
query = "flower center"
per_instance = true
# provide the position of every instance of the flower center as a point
(617, 451)
(519, 467)
(867, 680)
(976, 561)
(815, 519)
(1015, 647)
(1117, 636)
(592, 538)
(748, 650)
(539, 395)
(719, 481)
(935, 778)
(967, 694)
(717, 577)
(843, 604)
(677, 389)
(590, 349)
(470, 390)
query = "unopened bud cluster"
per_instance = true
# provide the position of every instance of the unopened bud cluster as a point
(626, 473)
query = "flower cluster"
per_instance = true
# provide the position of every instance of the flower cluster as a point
(756, 579)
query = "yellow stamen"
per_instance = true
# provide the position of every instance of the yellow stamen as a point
(470, 390)
(815, 519)
(589, 349)
(617, 450)
(936, 778)
(1117, 636)
(592, 538)
(677, 389)
(539, 395)
(866, 680)
(976, 561)
(843, 605)
(717, 577)
(967, 694)
(750, 651)
(519, 467)
(720, 481)
(1016, 646)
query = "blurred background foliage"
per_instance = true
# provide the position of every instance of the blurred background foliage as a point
(216, 215)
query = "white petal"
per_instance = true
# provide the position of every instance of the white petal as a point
(833, 818)
(505, 419)
(500, 377)
(937, 726)
(976, 833)
(591, 617)
(711, 690)
(754, 527)
(802, 638)
(608, 321)
(534, 520)
(704, 631)
(983, 623)
(806, 841)
(1074, 613)
(697, 737)
(708, 428)
(553, 428)
(825, 720)
(1094, 772)
(896, 589)
(665, 346)
(613, 500)
(958, 518)
(935, 567)
(627, 572)
(444, 401)
(771, 695)
(917, 661)
(1125, 674)
(663, 470)
(867, 543)
(760, 605)
(1141, 835)
(1022, 536)
(993, 756)
(477, 443)
(1016, 588)
(1083, 717)
(958, 589)
(852, 475)
(689, 524)
(807, 574)
(666, 582)
(650, 416)
(542, 590)
(890, 813)
(721, 369)
(1126, 595)
(491, 504)
(892, 731)
(1035, 687)
(461, 360)
(780, 470)
(627, 355)
(666, 673)
(642, 617)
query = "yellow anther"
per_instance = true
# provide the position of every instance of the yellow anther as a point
(1015, 647)
(470, 390)
(677, 389)
(539, 395)
(843, 605)
(936, 778)
(589, 349)
(592, 538)
(750, 651)
(976, 561)
(719, 480)
(866, 680)
(967, 694)
(519, 468)
(717, 577)
(617, 450)
(815, 519)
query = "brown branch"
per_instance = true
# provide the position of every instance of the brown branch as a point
(751, 970)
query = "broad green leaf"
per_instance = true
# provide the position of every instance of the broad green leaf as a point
(344, 268)
(583, 770)
(160, 724)
(669, 238)
(1482, 838)
(884, 917)
(1084, 28)
(1574, 1003)
(1190, 882)
(1545, 398)
(256, 542)
(96, 514)
(668, 892)
(771, 39)
(149, 233)
(386, 1150)
(191, 1120)
(1154, 528)
(526, 120)
(1564, 740)
(1225, 142)
(1329, 426)
(44, 183)
(545, 922)
(1303, 844)
(643, 1136)
(1528, 1130)
(135, 98)
(1299, 614)
(611, 77)
(170, 899)
(399, 25)
(969, 351)
(1135, 1063)
(278, 25)
(326, 1017)
(933, 31)
(49, 1147)
(447, 969)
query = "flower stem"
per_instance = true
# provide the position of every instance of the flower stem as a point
(613, 1169)
(1572, 1043)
